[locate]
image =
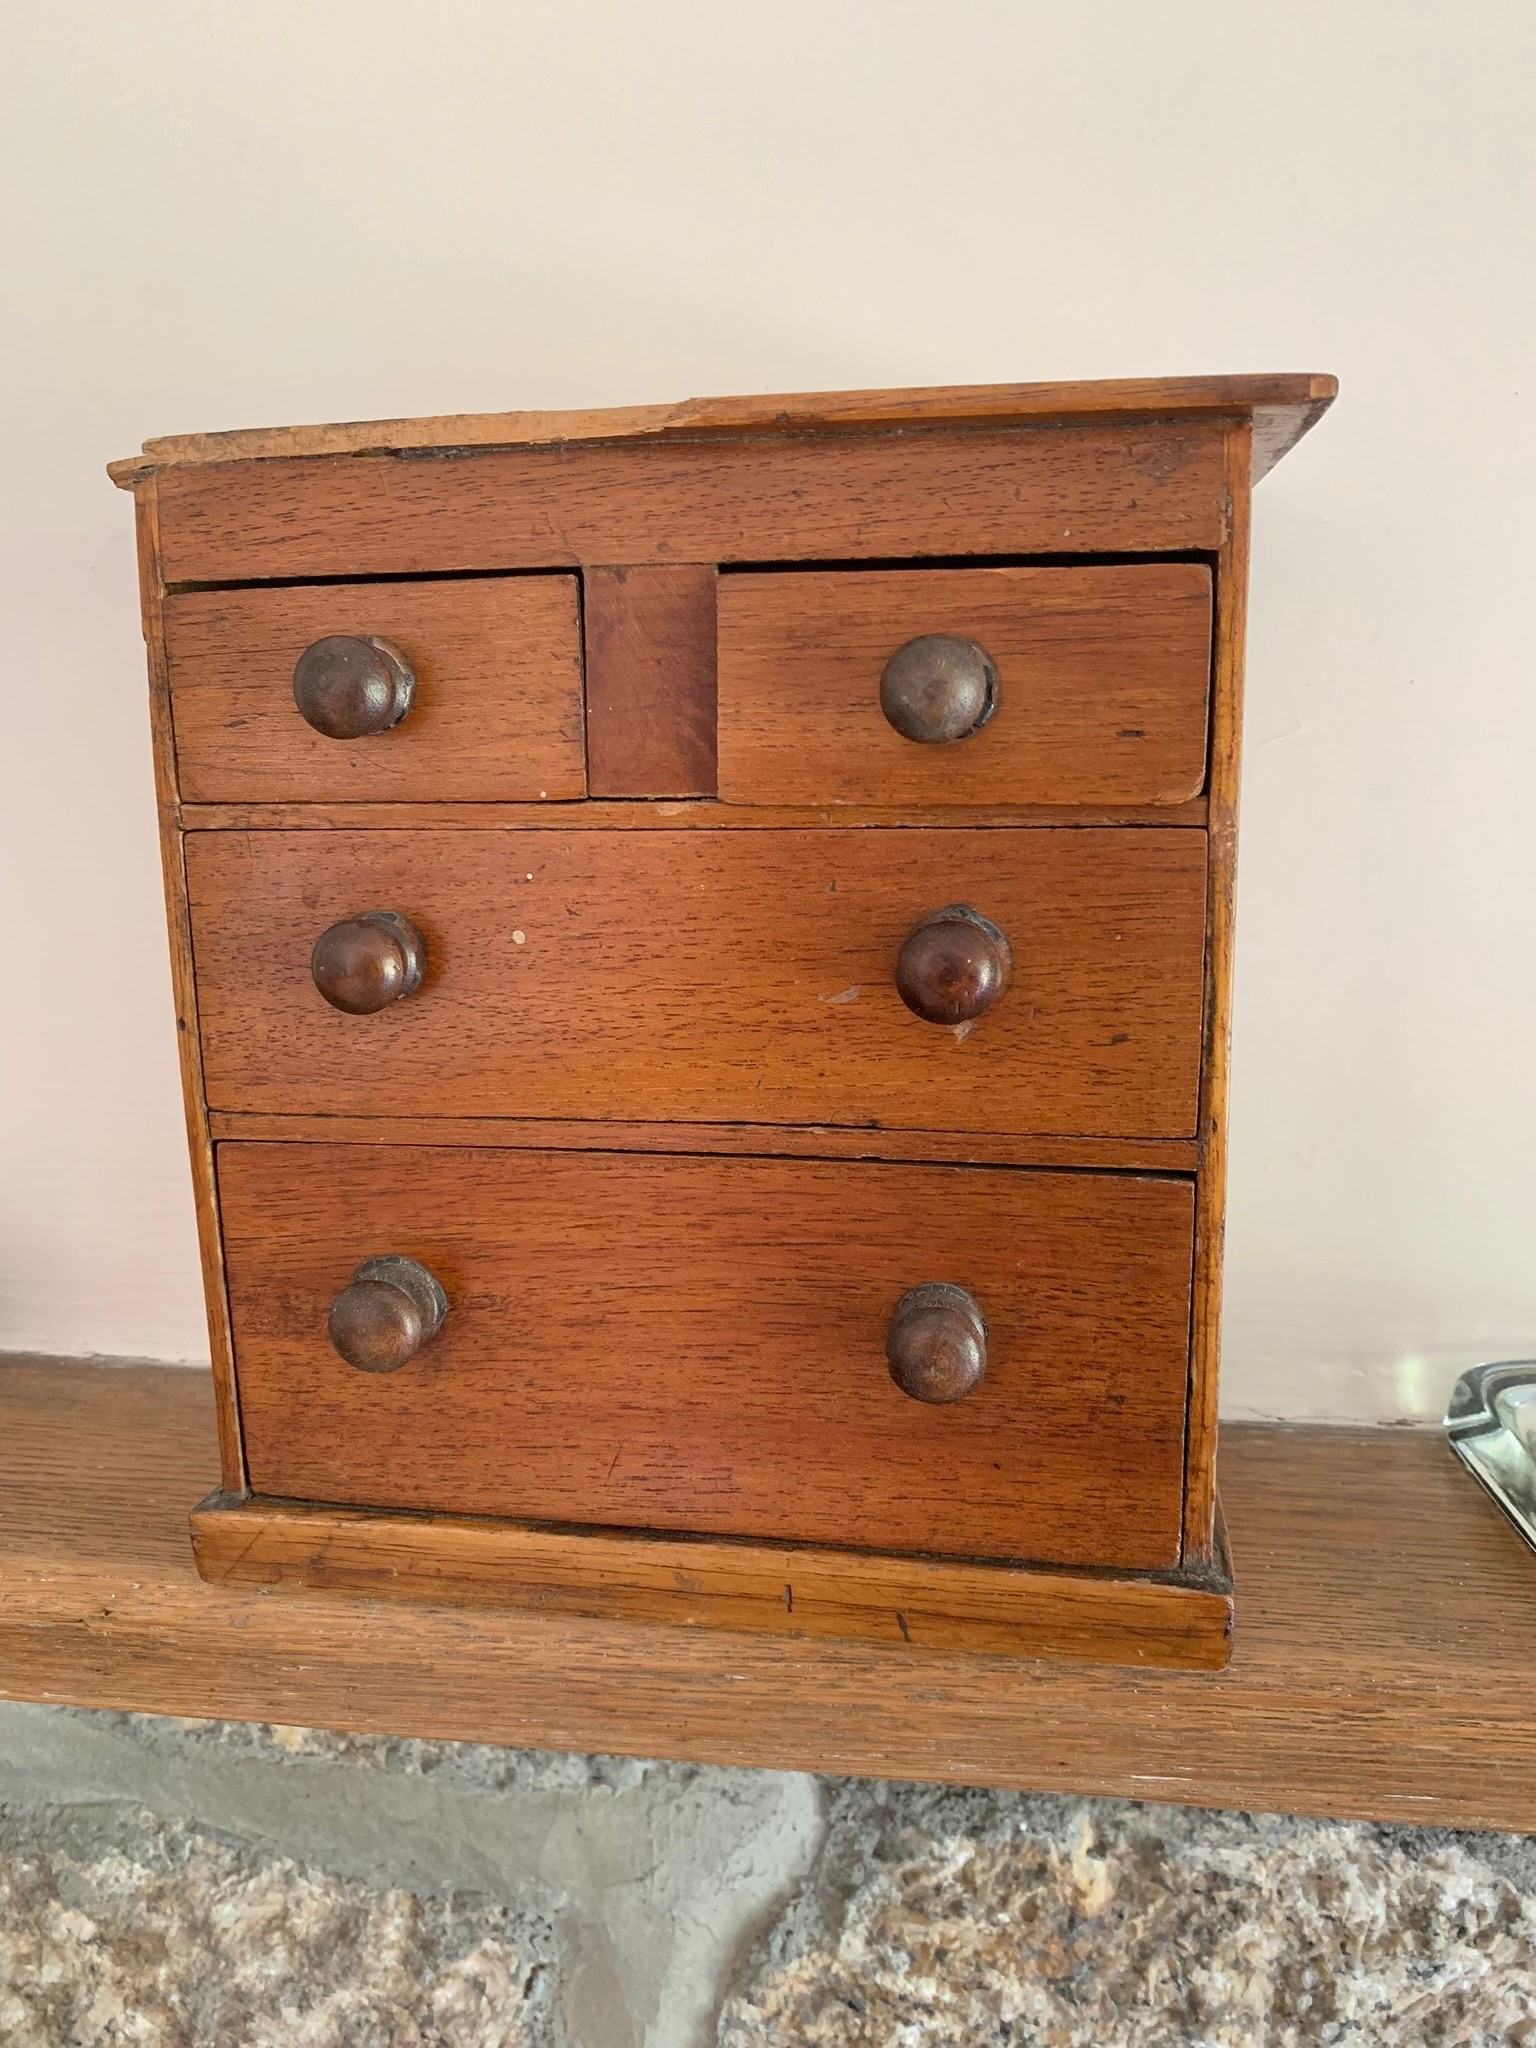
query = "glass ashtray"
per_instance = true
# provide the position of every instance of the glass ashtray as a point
(1491, 1422)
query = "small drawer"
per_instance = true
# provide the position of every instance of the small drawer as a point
(1034, 981)
(965, 686)
(475, 693)
(707, 1344)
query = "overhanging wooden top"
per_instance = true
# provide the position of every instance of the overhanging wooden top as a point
(1282, 408)
(1383, 1666)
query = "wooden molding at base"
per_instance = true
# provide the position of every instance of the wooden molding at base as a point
(787, 1590)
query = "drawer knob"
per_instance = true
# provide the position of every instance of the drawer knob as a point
(348, 688)
(937, 1343)
(953, 966)
(939, 688)
(385, 1314)
(366, 963)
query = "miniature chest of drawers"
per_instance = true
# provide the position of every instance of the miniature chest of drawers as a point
(701, 939)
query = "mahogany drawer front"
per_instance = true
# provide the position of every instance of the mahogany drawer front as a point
(1102, 685)
(496, 712)
(709, 976)
(699, 1344)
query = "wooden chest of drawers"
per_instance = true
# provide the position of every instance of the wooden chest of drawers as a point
(702, 940)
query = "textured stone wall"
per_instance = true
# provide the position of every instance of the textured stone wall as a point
(198, 1885)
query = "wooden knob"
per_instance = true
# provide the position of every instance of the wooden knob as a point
(953, 966)
(366, 963)
(348, 688)
(385, 1314)
(939, 688)
(937, 1343)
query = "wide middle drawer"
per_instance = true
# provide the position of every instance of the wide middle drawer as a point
(709, 976)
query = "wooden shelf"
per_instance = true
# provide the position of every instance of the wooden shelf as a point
(1383, 1669)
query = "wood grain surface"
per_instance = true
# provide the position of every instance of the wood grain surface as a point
(650, 666)
(927, 1603)
(1282, 407)
(705, 976)
(699, 1344)
(497, 712)
(804, 1141)
(1220, 903)
(184, 989)
(1103, 682)
(668, 815)
(1029, 490)
(1383, 1665)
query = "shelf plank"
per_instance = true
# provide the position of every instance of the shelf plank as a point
(1383, 1664)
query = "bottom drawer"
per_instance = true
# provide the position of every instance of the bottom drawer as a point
(689, 1343)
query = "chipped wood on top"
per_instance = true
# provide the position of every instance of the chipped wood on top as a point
(1282, 408)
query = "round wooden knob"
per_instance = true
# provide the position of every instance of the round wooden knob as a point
(939, 688)
(366, 963)
(937, 1343)
(953, 966)
(385, 1314)
(348, 688)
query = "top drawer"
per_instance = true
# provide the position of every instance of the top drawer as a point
(496, 702)
(1102, 677)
